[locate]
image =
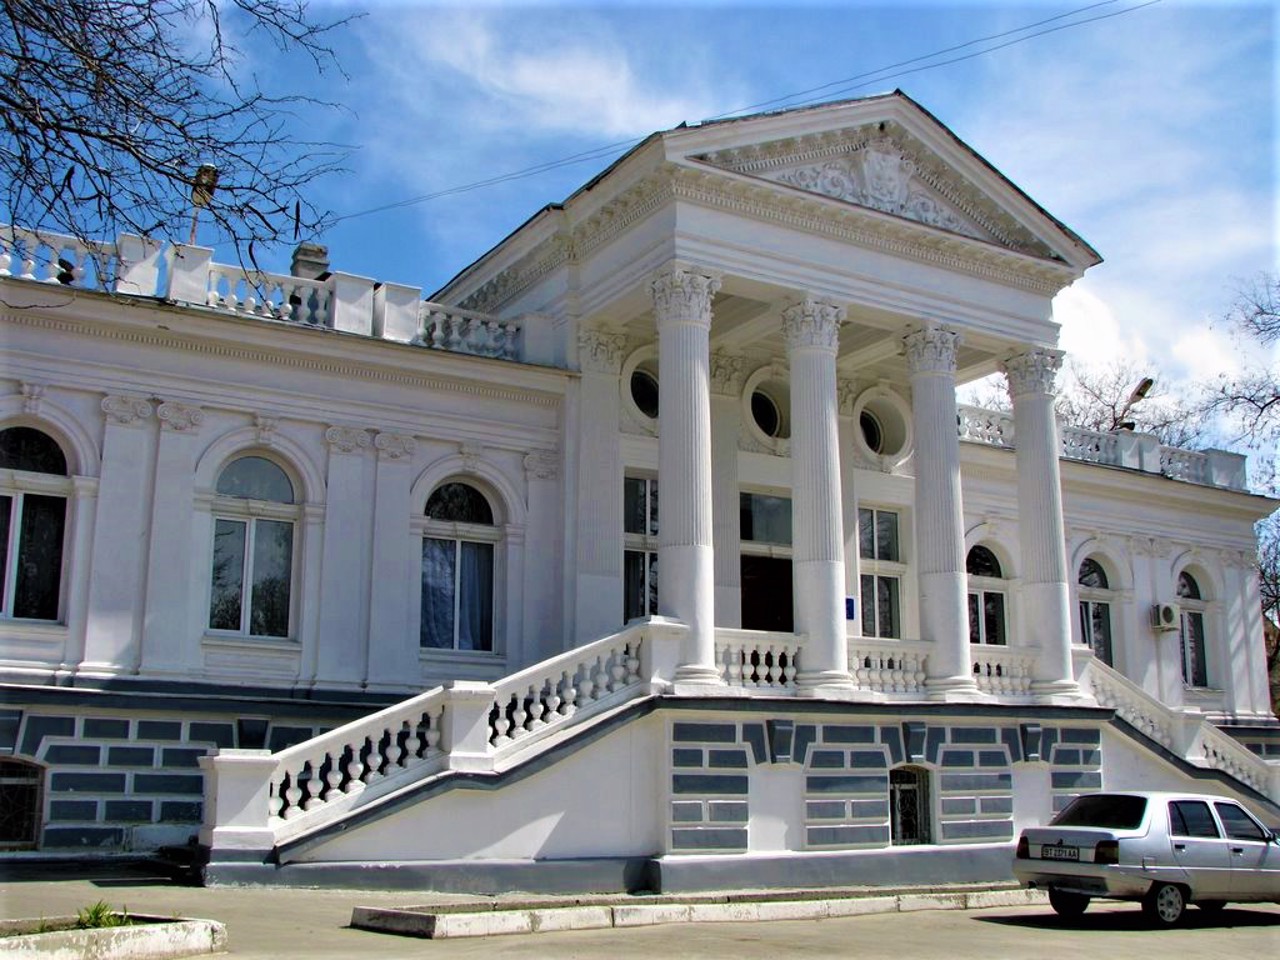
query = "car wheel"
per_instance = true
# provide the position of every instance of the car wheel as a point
(1212, 906)
(1069, 905)
(1165, 904)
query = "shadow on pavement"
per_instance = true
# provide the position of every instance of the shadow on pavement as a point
(113, 873)
(1121, 920)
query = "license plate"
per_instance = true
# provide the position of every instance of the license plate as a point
(1057, 852)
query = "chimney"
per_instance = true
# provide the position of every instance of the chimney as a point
(310, 261)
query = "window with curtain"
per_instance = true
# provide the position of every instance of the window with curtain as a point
(33, 523)
(881, 569)
(254, 523)
(986, 597)
(640, 547)
(1195, 672)
(458, 547)
(1095, 609)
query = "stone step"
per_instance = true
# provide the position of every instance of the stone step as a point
(486, 917)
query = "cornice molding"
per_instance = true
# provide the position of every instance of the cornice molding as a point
(278, 358)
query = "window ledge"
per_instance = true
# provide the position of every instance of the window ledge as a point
(249, 644)
(33, 630)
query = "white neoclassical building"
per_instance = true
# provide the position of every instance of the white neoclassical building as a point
(654, 550)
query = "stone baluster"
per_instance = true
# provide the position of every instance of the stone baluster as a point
(944, 619)
(1031, 378)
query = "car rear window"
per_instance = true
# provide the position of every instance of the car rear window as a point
(1116, 811)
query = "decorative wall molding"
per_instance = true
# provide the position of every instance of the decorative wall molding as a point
(125, 411)
(846, 396)
(266, 429)
(32, 394)
(601, 351)
(472, 454)
(179, 417)
(347, 439)
(728, 372)
(395, 446)
(542, 465)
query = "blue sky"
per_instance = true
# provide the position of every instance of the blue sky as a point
(1152, 133)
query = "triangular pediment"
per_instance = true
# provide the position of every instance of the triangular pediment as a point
(881, 166)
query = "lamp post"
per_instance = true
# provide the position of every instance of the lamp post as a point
(202, 187)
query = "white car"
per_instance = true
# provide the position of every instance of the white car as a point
(1163, 849)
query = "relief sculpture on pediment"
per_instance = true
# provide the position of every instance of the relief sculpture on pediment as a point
(880, 176)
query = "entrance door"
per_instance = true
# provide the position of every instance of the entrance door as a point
(909, 805)
(766, 594)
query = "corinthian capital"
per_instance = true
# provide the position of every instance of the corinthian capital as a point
(812, 324)
(931, 350)
(1033, 372)
(683, 296)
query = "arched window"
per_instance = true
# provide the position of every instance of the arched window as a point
(458, 545)
(986, 597)
(255, 517)
(1095, 609)
(1191, 629)
(910, 811)
(20, 803)
(33, 523)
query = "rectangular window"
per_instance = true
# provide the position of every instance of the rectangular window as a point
(879, 551)
(880, 607)
(1194, 671)
(877, 535)
(986, 617)
(1095, 628)
(272, 562)
(228, 574)
(640, 553)
(640, 574)
(764, 519)
(253, 574)
(41, 524)
(6, 509)
(457, 595)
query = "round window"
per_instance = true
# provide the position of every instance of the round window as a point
(765, 413)
(871, 432)
(644, 393)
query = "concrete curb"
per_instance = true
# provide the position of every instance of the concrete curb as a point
(441, 923)
(154, 938)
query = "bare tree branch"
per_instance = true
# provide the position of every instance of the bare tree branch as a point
(108, 108)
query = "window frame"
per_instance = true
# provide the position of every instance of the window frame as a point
(876, 572)
(979, 588)
(642, 544)
(1090, 601)
(250, 512)
(18, 485)
(1192, 618)
(460, 532)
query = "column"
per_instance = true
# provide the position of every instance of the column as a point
(686, 555)
(168, 646)
(812, 332)
(116, 576)
(1045, 593)
(393, 649)
(596, 536)
(939, 512)
(846, 392)
(726, 425)
(541, 621)
(342, 646)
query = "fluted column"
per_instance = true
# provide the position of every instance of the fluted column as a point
(686, 556)
(1045, 593)
(812, 330)
(939, 512)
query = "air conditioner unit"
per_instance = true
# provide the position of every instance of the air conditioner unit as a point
(1165, 616)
